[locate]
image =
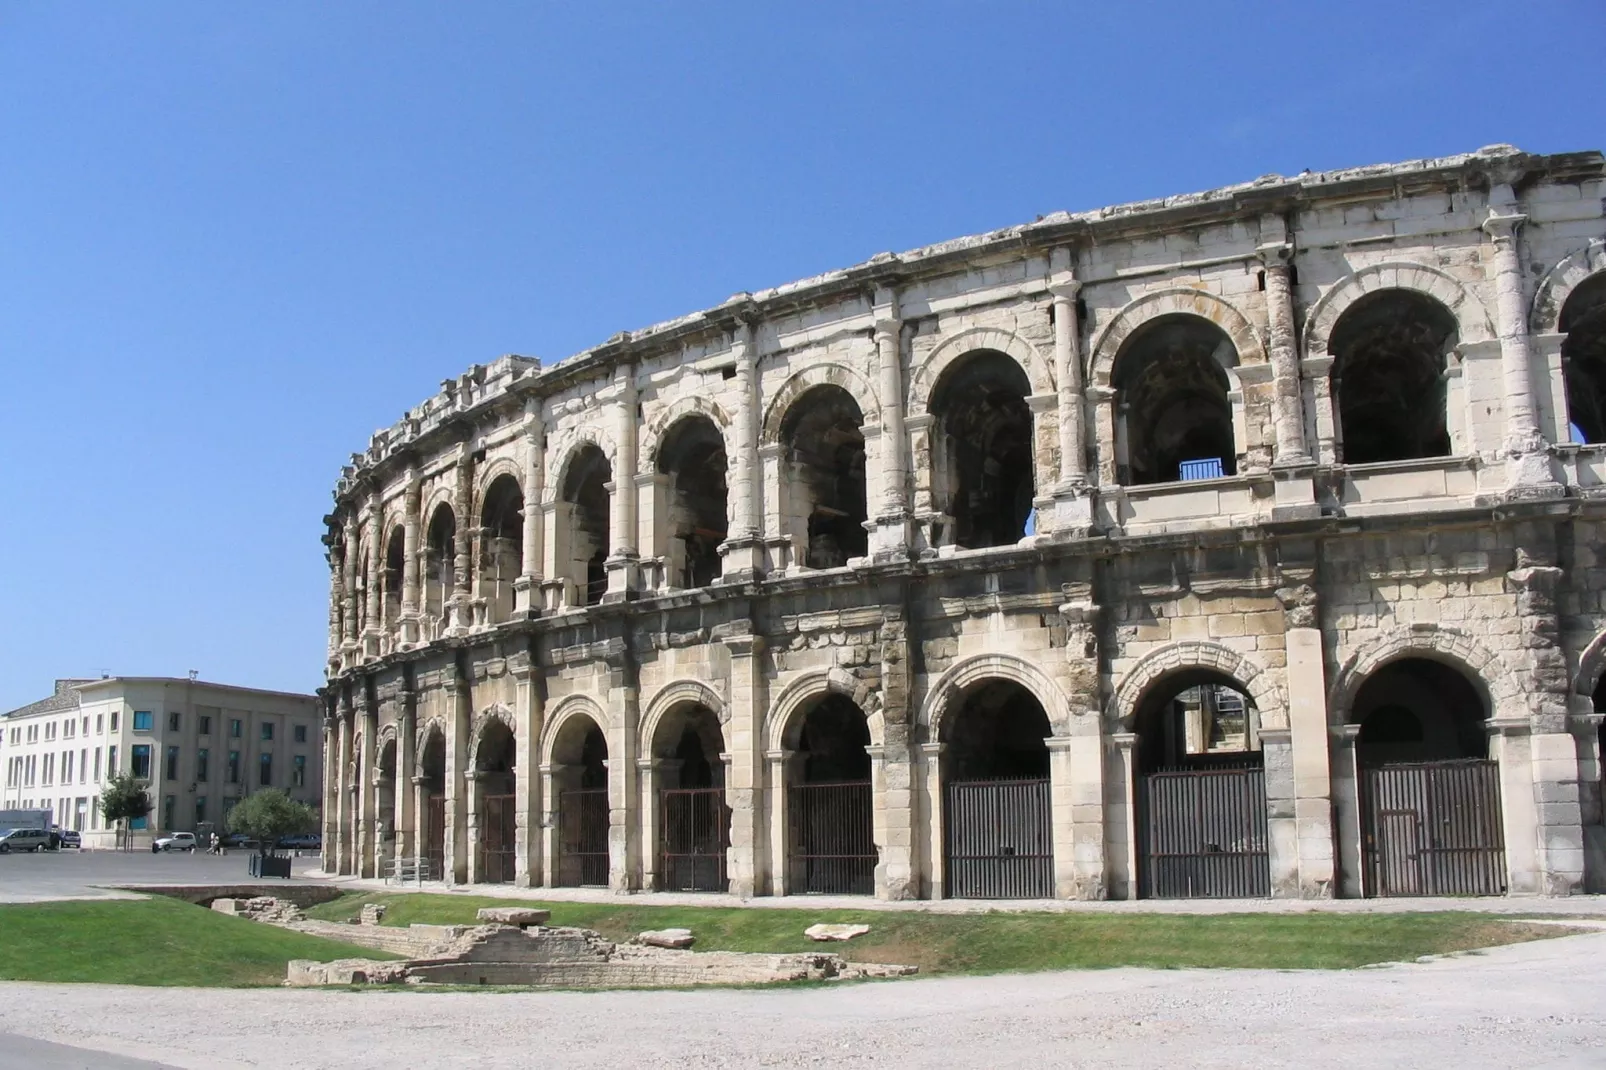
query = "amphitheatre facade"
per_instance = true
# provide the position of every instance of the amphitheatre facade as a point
(1234, 544)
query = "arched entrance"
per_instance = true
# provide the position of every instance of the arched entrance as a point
(494, 803)
(823, 496)
(981, 457)
(1583, 358)
(997, 827)
(693, 821)
(1200, 791)
(432, 805)
(501, 546)
(1175, 401)
(692, 459)
(580, 784)
(1430, 795)
(830, 826)
(582, 524)
(1390, 351)
(385, 799)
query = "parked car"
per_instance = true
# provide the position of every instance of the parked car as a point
(304, 841)
(71, 838)
(24, 840)
(174, 841)
(238, 839)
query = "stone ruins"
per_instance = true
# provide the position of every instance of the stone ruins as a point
(1242, 543)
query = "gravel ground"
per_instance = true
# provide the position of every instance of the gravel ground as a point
(1531, 1005)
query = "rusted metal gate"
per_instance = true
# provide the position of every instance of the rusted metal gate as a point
(835, 846)
(998, 839)
(696, 831)
(1202, 834)
(583, 849)
(435, 836)
(496, 839)
(1433, 828)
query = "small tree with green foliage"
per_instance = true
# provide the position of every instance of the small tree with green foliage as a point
(270, 814)
(124, 799)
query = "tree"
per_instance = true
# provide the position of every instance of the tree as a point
(269, 814)
(124, 799)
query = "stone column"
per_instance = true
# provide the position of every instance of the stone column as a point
(743, 549)
(1282, 830)
(337, 603)
(623, 562)
(1121, 816)
(1308, 736)
(412, 524)
(1350, 862)
(474, 784)
(747, 861)
(461, 611)
(930, 772)
(330, 816)
(343, 794)
(628, 797)
(893, 776)
(1073, 507)
(1077, 772)
(420, 819)
(457, 843)
(1528, 468)
(353, 565)
(782, 766)
(367, 768)
(406, 759)
(373, 598)
(889, 521)
(1510, 745)
(1062, 782)
(551, 832)
(1283, 349)
(528, 859)
(1102, 399)
(647, 784)
(527, 588)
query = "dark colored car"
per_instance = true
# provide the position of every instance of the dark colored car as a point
(305, 841)
(238, 839)
(70, 838)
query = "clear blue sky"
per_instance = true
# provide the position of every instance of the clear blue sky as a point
(237, 238)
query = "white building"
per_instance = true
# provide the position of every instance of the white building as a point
(200, 747)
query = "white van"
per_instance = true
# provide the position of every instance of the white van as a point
(23, 840)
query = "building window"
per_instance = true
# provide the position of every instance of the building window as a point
(111, 761)
(97, 763)
(83, 765)
(200, 765)
(301, 733)
(114, 720)
(200, 809)
(205, 725)
(170, 771)
(267, 731)
(298, 772)
(86, 724)
(265, 770)
(236, 728)
(143, 720)
(169, 804)
(66, 767)
(140, 766)
(100, 723)
(172, 721)
(234, 767)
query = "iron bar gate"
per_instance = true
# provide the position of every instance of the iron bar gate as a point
(998, 839)
(1202, 834)
(696, 832)
(434, 851)
(834, 850)
(497, 825)
(583, 848)
(1433, 828)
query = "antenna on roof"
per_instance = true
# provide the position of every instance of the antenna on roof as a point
(193, 674)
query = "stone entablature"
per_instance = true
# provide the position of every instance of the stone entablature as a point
(897, 482)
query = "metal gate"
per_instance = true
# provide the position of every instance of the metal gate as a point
(496, 839)
(1202, 834)
(834, 849)
(696, 832)
(583, 848)
(998, 840)
(1433, 828)
(435, 836)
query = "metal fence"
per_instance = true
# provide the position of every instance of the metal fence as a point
(998, 839)
(696, 832)
(497, 825)
(835, 838)
(434, 851)
(583, 849)
(1433, 828)
(1202, 834)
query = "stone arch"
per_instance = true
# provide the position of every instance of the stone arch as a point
(652, 435)
(1177, 300)
(494, 714)
(672, 696)
(501, 466)
(1544, 316)
(951, 685)
(566, 446)
(1155, 666)
(795, 699)
(1455, 648)
(568, 709)
(1472, 319)
(925, 378)
(421, 741)
(825, 374)
(1591, 666)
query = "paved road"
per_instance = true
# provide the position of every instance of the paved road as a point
(23, 1053)
(1531, 1006)
(44, 875)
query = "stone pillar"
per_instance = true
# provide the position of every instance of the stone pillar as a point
(1585, 728)
(342, 789)
(329, 850)
(474, 783)
(1308, 736)
(337, 603)
(747, 860)
(1073, 507)
(1062, 835)
(528, 857)
(367, 770)
(647, 784)
(628, 797)
(743, 549)
(893, 776)
(373, 598)
(1078, 777)
(420, 819)
(889, 519)
(406, 760)
(623, 563)
(930, 773)
(782, 766)
(1121, 816)
(1528, 468)
(457, 844)
(461, 611)
(1102, 400)
(1282, 829)
(527, 588)
(1283, 349)
(1510, 745)
(412, 525)
(1351, 855)
(353, 565)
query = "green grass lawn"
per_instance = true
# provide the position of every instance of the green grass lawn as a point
(156, 941)
(996, 942)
